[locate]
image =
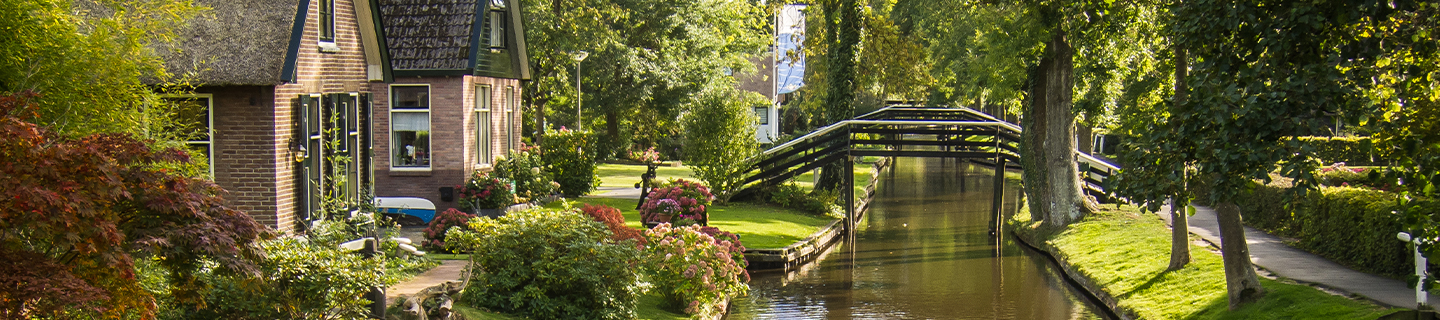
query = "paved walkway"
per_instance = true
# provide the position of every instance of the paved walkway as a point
(1274, 255)
(447, 271)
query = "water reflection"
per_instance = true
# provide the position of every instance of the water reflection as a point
(922, 252)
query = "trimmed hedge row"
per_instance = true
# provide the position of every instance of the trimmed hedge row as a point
(1352, 226)
(1353, 151)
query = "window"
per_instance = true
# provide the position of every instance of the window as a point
(497, 24)
(482, 125)
(510, 138)
(410, 126)
(192, 124)
(327, 20)
(763, 114)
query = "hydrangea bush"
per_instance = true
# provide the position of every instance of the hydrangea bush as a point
(694, 271)
(676, 201)
(526, 169)
(435, 233)
(484, 191)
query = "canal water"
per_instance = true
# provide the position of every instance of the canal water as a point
(923, 251)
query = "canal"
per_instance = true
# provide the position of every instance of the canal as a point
(923, 251)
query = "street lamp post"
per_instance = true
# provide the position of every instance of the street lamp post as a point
(578, 56)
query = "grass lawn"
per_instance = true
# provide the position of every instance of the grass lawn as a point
(623, 175)
(447, 256)
(861, 171)
(759, 226)
(647, 308)
(1126, 252)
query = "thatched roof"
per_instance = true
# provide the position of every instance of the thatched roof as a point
(235, 43)
(428, 34)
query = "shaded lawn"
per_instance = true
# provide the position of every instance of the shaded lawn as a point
(1127, 251)
(759, 226)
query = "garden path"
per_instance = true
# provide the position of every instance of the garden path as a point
(448, 270)
(1274, 255)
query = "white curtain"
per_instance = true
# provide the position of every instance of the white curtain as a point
(410, 121)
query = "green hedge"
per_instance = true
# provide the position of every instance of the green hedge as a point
(1352, 226)
(1353, 151)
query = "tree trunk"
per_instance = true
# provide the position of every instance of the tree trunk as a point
(840, 93)
(1031, 140)
(1085, 139)
(1179, 214)
(1059, 131)
(612, 130)
(1179, 234)
(1241, 283)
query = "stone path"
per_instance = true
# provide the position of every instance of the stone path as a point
(1274, 255)
(447, 271)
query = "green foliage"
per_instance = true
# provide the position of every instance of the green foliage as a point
(1353, 226)
(526, 168)
(300, 280)
(483, 191)
(647, 60)
(1353, 151)
(570, 156)
(720, 138)
(549, 264)
(695, 271)
(76, 211)
(435, 232)
(89, 61)
(791, 195)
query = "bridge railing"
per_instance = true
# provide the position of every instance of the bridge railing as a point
(906, 132)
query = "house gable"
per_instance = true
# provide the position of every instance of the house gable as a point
(450, 38)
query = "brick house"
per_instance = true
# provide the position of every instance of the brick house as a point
(290, 89)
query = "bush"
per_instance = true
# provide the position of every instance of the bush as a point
(611, 217)
(435, 233)
(793, 196)
(484, 191)
(549, 264)
(677, 200)
(720, 138)
(525, 168)
(300, 280)
(1353, 226)
(694, 271)
(570, 155)
(1355, 151)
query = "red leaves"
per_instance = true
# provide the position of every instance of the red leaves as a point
(611, 217)
(81, 206)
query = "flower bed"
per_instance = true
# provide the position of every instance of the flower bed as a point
(484, 191)
(680, 202)
(696, 268)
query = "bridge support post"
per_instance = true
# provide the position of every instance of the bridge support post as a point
(998, 200)
(849, 194)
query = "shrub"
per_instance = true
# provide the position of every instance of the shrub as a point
(549, 264)
(484, 191)
(793, 196)
(1355, 151)
(1353, 226)
(692, 270)
(677, 199)
(435, 233)
(300, 280)
(570, 155)
(525, 168)
(720, 138)
(611, 217)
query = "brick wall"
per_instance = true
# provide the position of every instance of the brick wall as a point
(452, 135)
(243, 118)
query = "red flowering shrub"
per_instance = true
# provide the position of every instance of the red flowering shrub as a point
(676, 200)
(435, 233)
(611, 217)
(484, 191)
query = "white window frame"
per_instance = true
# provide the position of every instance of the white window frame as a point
(483, 113)
(510, 140)
(209, 127)
(430, 118)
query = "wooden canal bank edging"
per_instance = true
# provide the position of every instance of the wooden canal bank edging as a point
(1095, 292)
(812, 247)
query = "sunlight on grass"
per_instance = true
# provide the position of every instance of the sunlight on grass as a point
(1127, 252)
(626, 176)
(759, 226)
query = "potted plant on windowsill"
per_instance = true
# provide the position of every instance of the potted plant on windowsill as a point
(485, 195)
